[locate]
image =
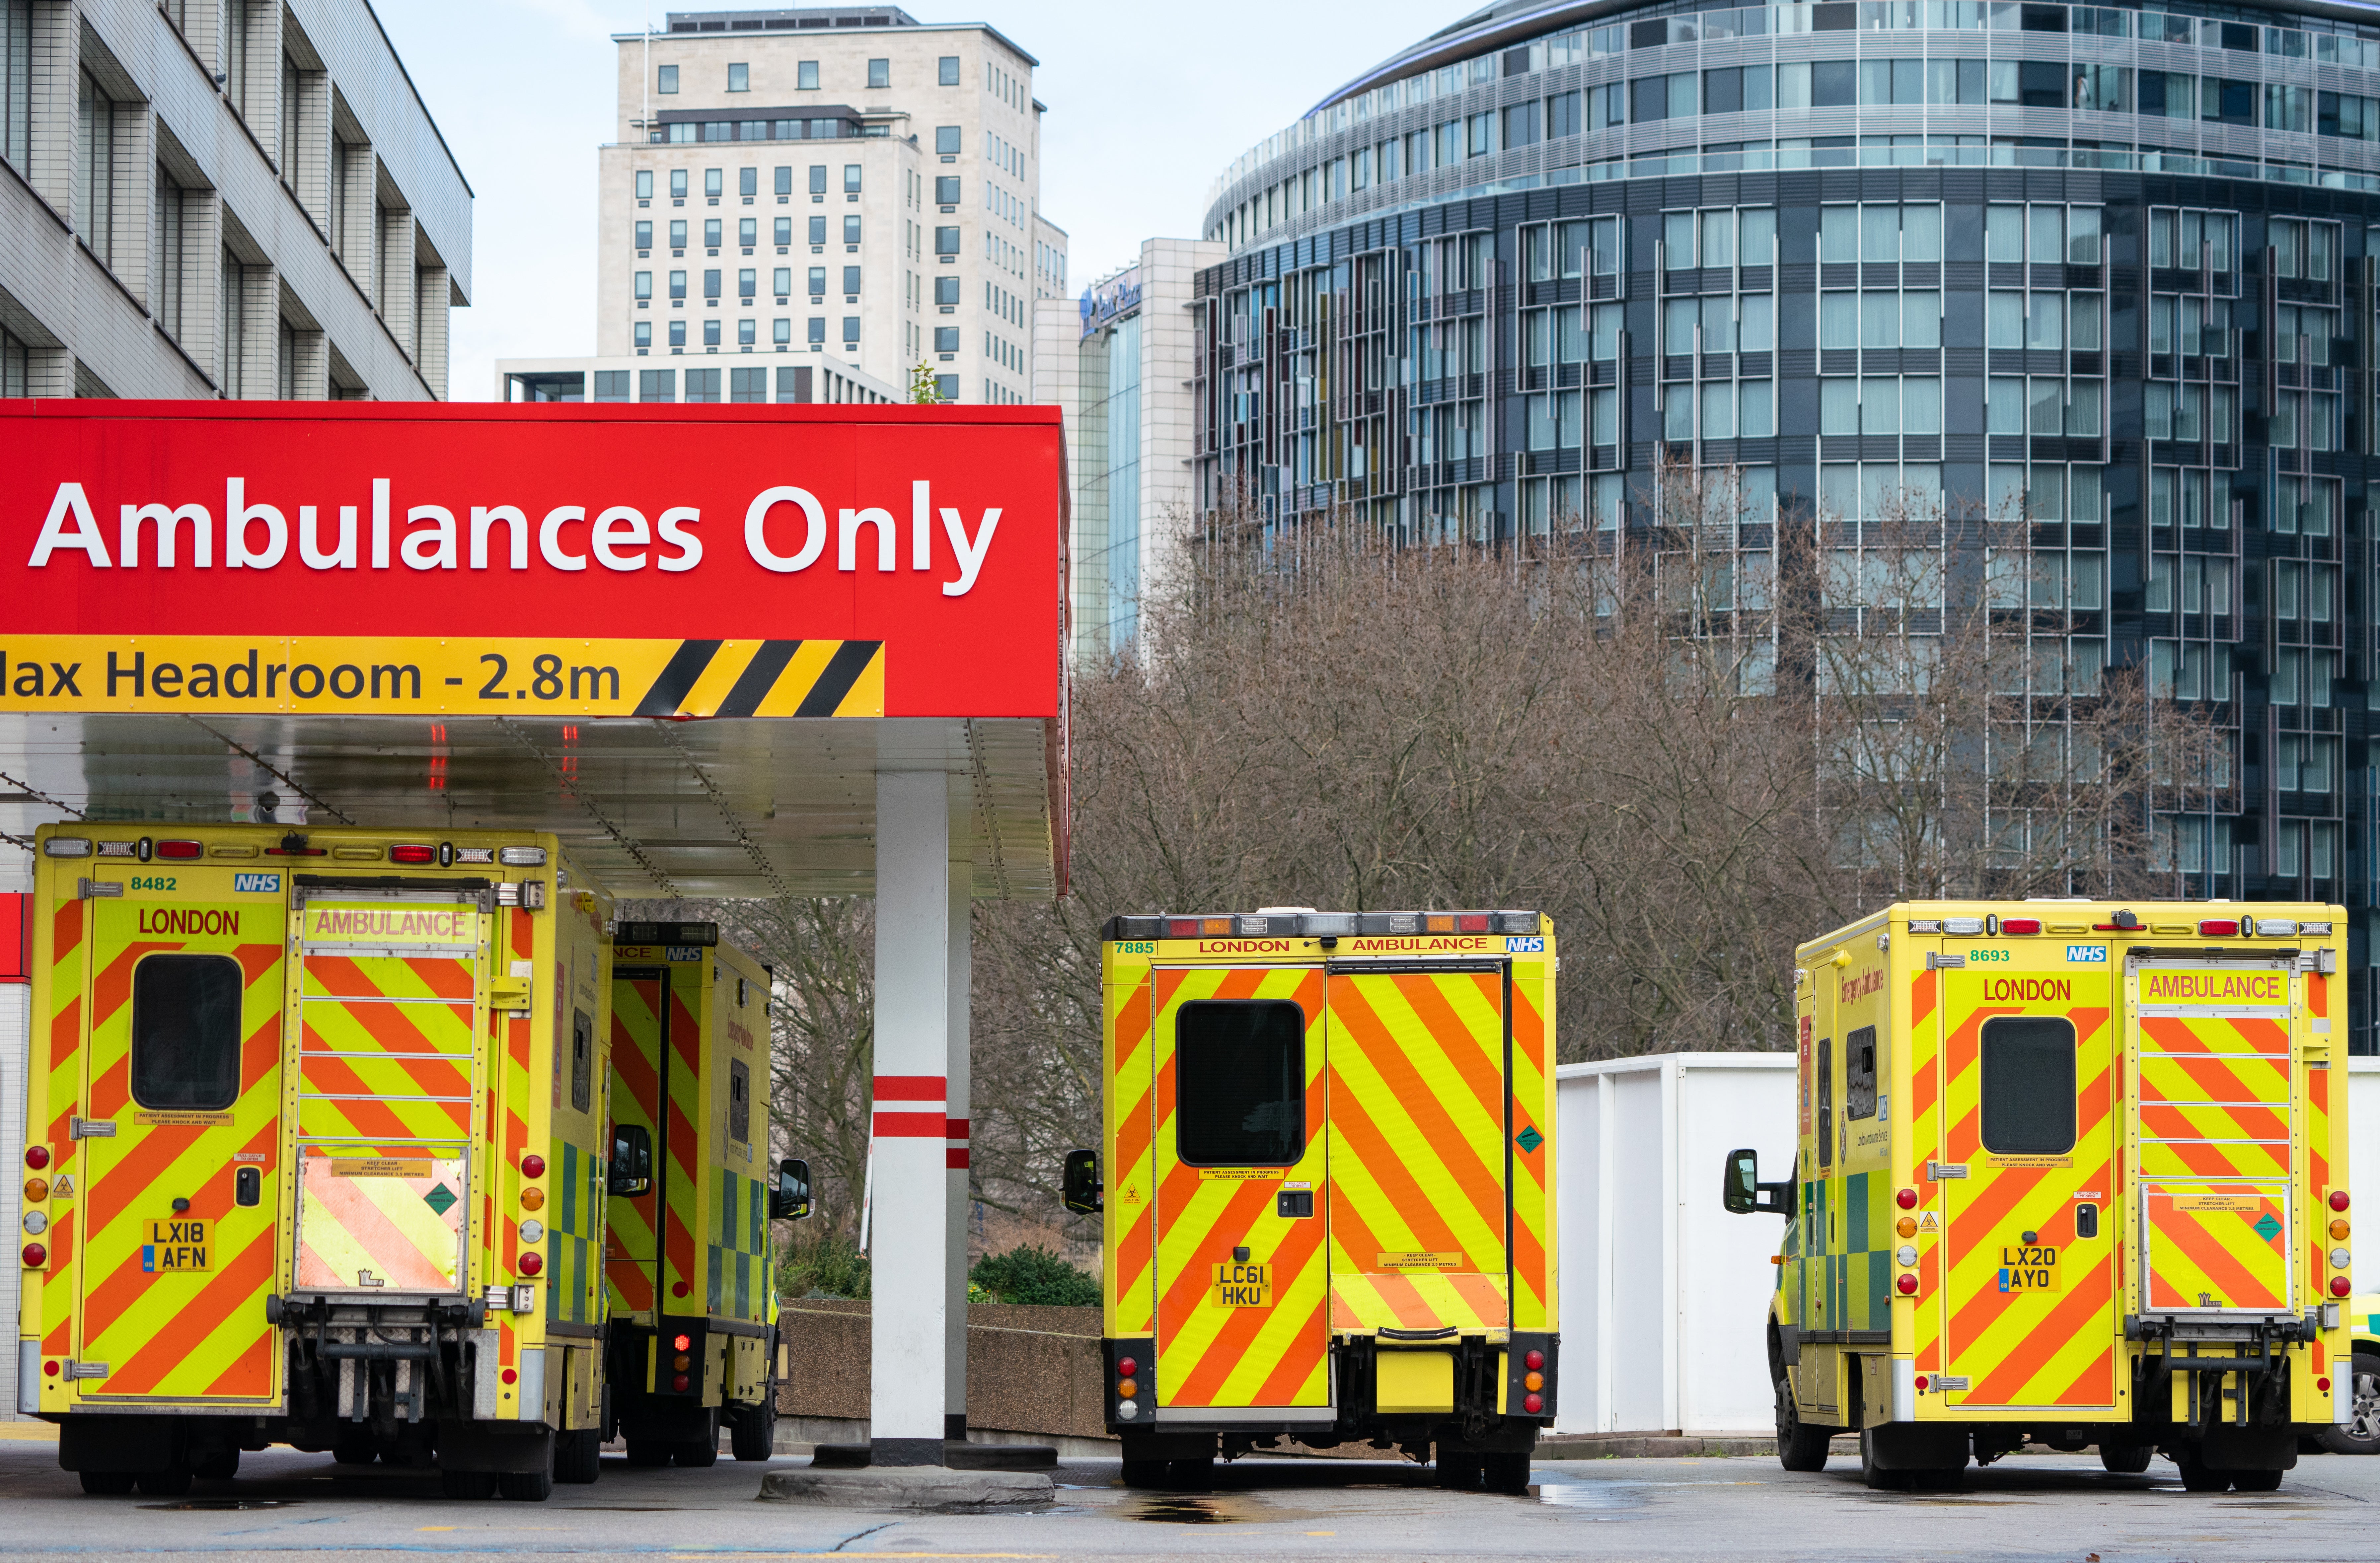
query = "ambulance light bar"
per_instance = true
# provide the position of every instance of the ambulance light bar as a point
(1320, 925)
(665, 933)
(2123, 922)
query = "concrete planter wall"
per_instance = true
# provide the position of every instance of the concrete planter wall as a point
(1033, 1373)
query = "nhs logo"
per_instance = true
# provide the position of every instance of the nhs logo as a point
(1531, 944)
(256, 883)
(2086, 955)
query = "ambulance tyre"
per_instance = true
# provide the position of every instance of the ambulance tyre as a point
(1190, 1475)
(174, 1481)
(221, 1465)
(356, 1448)
(649, 1452)
(1506, 1473)
(108, 1484)
(2125, 1460)
(753, 1434)
(2362, 1433)
(1144, 1472)
(2256, 1481)
(2197, 1478)
(578, 1456)
(699, 1454)
(466, 1483)
(1459, 1473)
(1799, 1448)
(525, 1486)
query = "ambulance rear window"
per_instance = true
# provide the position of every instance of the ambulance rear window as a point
(186, 1032)
(2028, 1084)
(1239, 1068)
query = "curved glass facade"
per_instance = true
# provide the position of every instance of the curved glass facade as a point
(2111, 269)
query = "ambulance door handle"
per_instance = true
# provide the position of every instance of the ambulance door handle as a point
(2086, 1220)
(1294, 1203)
(247, 1186)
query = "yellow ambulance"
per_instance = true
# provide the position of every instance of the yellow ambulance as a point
(315, 1152)
(1327, 1163)
(2068, 1172)
(688, 1266)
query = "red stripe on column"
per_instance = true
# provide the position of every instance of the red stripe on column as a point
(957, 1129)
(912, 1088)
(955, 1160)
(909, 1126)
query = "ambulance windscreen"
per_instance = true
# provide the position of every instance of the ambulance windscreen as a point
(2028, 1084)
(185, 1033)
(1239, 1068)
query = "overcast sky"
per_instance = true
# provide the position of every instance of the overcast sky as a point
(1146, 106)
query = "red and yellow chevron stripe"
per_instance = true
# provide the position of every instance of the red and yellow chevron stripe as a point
(630, 1248)
(1418, 1101)
(1530, 1107)
(2214, 1097)
(2217, 1246)
(1925, 1144)
(2054, 1347)
(1131, 1169)
(1212, 1349)
(188, 1326)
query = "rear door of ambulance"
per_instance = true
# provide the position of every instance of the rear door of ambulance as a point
(2211, 1047)
(640, 1007)
(1420, 1151)
(2031, 1161)
(392, 1014)
(176, 1152)
(1239, 1157)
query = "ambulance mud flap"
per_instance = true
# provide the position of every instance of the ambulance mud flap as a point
(123, 1443)
(1917, 1445)
(495, 1446)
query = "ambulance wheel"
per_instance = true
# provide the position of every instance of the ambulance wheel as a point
(1190, 1475)
(699, 1454)
(1506, 1473)
(1875, 1477)
(466, 1483)
(1459, 1473)
(1799, 1446)
(2256, 1481)
(220, 1466)
(526, 1486)
(1137, 1472)
(107, 1483)
(753, 1435)
(578, 1456)
(171, 1481)
(2126, 1460)
(2362, 1433)
(356, 1448)
(2197, 1478)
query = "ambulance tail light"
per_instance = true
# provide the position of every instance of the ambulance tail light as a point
(67, 846)
(1197, 927)
(1472, 922)
(683, 1343)
(2219, 927)
(2020, 925)
(1908, 1285)
(1906, 1199)
(37, 1156)
(1532, 1404)
(180, 852)
(679, 1383)
(530, 1264)
(2339, 1200)
(413, 853)
(36, 1255)
(533, 1166)
(2339, 1285)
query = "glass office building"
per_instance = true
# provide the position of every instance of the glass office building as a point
(2113, 266)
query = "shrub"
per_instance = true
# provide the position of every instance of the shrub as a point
(829, 1265)
(1033, 1274)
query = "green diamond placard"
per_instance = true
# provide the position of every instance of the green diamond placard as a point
(2267, 1228)
(1528, 1139)
(440, 1198)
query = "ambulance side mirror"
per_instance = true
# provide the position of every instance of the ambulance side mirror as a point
(632, 1160)
(790, 1200)
(1081, 1192)
(1744, 1194)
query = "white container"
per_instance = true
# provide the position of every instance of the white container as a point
(1664, 1295)
(1662, 1292)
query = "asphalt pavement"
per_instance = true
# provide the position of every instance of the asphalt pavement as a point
(283, 1504)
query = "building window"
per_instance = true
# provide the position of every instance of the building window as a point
(818, 280)
(714, 183)
(644, 236)
(612, 385)
(947, 71)
(644, 184)
(880, 75)
(781, 332)
(817, 330)
(284, 362)
(850, 280)
(783, 279)
(806, 76)
(783, 234)
(739, 78)
(946, 139)
(644, 286)
(747, 283)
(677, 233)
(748, 385)
(709, 339)
(851, 178)
(946, 189)
(677, 284)
(668, 82)
(173, 236)
(657, 385)
(946, 243)
(851, 230)
(231, 327)
(95, 168)
(946, 291)
(946, 339)
(711, 234)
(644, 336)
(710, 285)
(748, 184)
(851, 330)
(745, 336)
(946, 386)
(817, 230)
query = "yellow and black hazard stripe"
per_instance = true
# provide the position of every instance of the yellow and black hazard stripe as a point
(745, 678)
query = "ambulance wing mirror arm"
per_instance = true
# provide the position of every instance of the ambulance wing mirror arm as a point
(632, 1161)
(1082, 1192)
(790, 1200)
(1744, 1194)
